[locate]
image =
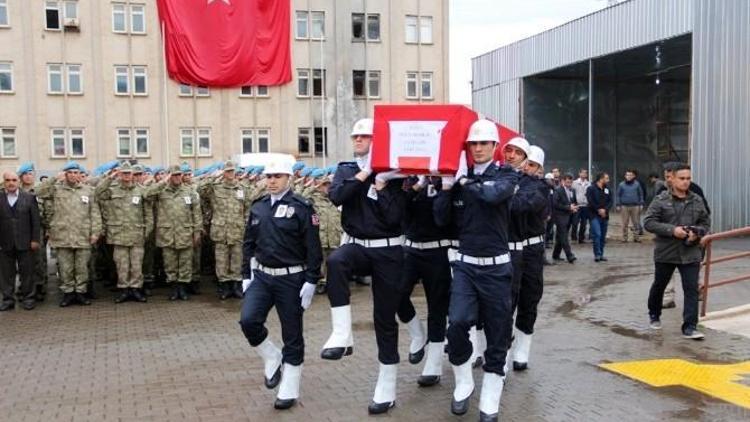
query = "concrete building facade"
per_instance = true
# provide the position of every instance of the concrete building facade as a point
(86, 80)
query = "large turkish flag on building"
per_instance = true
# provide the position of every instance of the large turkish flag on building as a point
(227, 43)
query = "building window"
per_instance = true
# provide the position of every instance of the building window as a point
(204, 142)
(303, 141)
(301, 32)
(262, 91)
(4, 13)
(71, 9)
(75, 83)
(246, 91)
(426, 85)
(246, 139)
(303, 82)
(67, 143)
(425, 29)
(321, 142)
(123, 142)
(411, 85)
(52, 15)
(187, 142)
(319, 82)
(8, 135)
(202, 91)
(54, 79)
(186, 90)
(250, 91)
(412, 36)
(137, 19)
(141, 142)
(358, 83)
(373, 84)
(140, 80)
(6, 77)
(373, 27)
(318, 25)
(118, 18)
(122, 84)
(366, 84)
(255, 140)
(358, 26)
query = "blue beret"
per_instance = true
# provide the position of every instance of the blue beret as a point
(306, 171)
(71, 165)
(259, 169)
(26, 167)
(331, 169)
(185, 167)
(299, 165)
(318, 173)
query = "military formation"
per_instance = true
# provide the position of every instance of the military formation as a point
(130, 228)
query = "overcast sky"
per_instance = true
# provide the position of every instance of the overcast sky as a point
(479, 26)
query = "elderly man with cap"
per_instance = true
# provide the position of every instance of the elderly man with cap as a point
(73, 217)
(477, 201)
(372, 212)
(280, 267)
(226, 211)
(127, 223)
(531, 204)
(178, 228)
(39, 277)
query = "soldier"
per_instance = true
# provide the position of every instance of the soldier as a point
(74, 221)
(330, 220)
(178, 227)
(477, 200)
(195, 279)
(26, 174)
(128, 221)
(227, 208)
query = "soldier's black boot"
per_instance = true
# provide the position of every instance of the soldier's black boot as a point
(82, 299)
(137, 295)
(183, 292)
(67, 300)
(123, 296)
(175, 292)
(237, 289)
(225, 290)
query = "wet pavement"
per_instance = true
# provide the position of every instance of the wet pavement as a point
(165, 361)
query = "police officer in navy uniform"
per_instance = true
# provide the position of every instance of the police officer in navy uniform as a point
(478, 199)
(281, 267)
(426, 258)
(531, 203)
(371, 216)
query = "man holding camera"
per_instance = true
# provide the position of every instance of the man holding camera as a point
(678, 218)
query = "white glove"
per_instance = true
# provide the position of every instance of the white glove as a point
(386, 176)
(306, 293)
(245, 284)
(365, 163)
(421, 181)
(463, 168)
(448, 181)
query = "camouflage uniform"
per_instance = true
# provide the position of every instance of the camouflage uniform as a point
(330, 228)
(126, 225)
(178, 221)
(72, 217)
(228, 207)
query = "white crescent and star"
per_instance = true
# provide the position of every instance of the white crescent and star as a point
(225, 1)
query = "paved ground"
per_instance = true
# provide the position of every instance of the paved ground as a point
(166, 361)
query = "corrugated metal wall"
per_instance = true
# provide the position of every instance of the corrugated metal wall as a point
(721, 108)
(621, 27)
(500, 102)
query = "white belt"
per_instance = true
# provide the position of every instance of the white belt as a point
(430, 245)
(518, 246)
(373, 243)
(481, 261)
(515, 246)
(281, 271)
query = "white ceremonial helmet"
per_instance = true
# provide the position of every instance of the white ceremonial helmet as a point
(483, 130)
(280, 164)
(521, 144)
(363, 127)
(536, 155)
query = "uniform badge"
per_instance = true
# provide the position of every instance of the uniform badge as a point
(136, 200)
(515, 190)
(85, 199)
(372, 193)
(254, 222)
(431, 191)
(188, 200)
(281, 211)
(289, 212)
(489, 183)
(606, 191)
(315, 220)
(240, 194)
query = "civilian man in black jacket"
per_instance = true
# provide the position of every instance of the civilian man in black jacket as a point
(600, 201)
(564, 205)
(19, 237)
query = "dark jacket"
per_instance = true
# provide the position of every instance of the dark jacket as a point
(599, 199)
(19, 226)
(693, 188)
(667, 212)
(561, 204)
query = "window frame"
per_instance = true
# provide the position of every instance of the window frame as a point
(308, 80)
(259, 136)
(363, 75)
(120, 133)
(83, 142)
(12, 89)
(191, 132)
(247, 133)
(67, 78)
(297, 21)
(3, 136)
(133, 74)
(367, 27)
(126, 74)
(249, 95)
(421, 26)
(135, 137)
(323, 141)
(363, 24)
(4, 5)
(180, 92)
(415, 80)
(311, 16)
(407, 26)
(65, 5)
(61, 74)
(202, 91)
(124, 7)
(131, 13)
(308, 135)
(373, 75)
(63, 136)
(430, 77)
(198, 141)
(47, 7)
(322, 78)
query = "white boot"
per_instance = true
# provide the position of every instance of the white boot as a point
(271, 356)
(289, 388)
(478, 345)
(418, 336)
(385, 390)
(521, 350)
(433, 367)
(492, 391)
(464, 379)
(341, 341)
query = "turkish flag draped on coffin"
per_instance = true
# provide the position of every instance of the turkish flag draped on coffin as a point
(227, 43)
